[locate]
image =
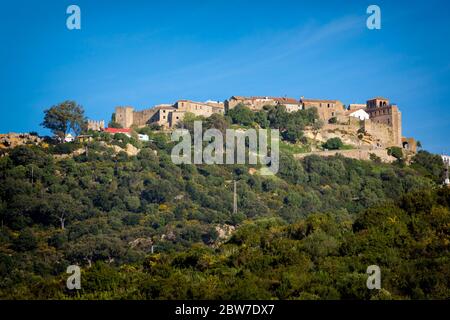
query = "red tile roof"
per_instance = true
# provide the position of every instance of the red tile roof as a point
(319, 100)
(118, 130)
(286, 100)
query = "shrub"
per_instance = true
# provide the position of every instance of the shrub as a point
(25, 242)
(333, 144)
(66, 148)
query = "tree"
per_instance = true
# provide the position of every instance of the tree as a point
(397, 153)
(316, 126)
(65, 116)
(217, 121)
(241, 115)
(60, 208)
(26, 241)
(188, 121)
(333, 144)
(278, 116)
(92, 248)
(419, 144)
(261, 119)
(293, 132)
(430, 165)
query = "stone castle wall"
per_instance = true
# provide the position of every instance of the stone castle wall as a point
(96, 125)
(382, 133)
(124, 116)
(142, 118)
(326, 110)
(383, 129)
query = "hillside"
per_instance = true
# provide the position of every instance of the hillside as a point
(142, 227)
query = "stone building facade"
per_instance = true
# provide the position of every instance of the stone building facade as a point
(165, 115)
(382, 112)
(257, 103)
(409, 144)
(197, 108)
(124, 116)
(326, 109)
(383, 125)
(217, 106)
(356, 106)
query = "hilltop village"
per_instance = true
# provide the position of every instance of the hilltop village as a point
(367, 130)
(370, 127)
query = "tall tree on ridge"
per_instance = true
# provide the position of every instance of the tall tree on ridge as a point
(63, 117)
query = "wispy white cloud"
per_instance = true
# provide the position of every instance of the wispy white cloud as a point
(247, 55)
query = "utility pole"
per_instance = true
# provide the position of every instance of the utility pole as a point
(447, 180)
(234, 199)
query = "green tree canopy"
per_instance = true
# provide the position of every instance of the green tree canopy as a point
(333, 144)
(64, 117)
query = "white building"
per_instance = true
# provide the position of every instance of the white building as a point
(69, 138)
(361, 114)
(143, 137)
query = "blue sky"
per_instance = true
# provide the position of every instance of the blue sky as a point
(142, 53)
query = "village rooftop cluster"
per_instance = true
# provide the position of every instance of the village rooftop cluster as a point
(377, 117)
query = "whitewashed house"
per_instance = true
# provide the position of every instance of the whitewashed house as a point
(361, 114)
(143, 137)
(69, 138)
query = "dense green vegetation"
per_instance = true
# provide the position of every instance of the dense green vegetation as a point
(308, 233)
(291, 125)
(333, 144)
(143, 228)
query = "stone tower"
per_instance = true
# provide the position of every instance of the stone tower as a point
(381, 111)
(124, 116)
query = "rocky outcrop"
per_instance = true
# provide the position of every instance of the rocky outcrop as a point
(360, 154)
(129, 148)
(141, 243)
(12, 140)
(224, 231)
